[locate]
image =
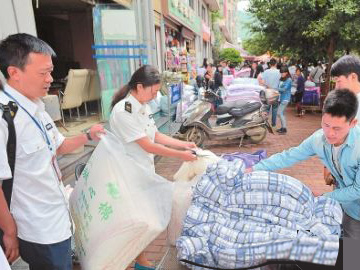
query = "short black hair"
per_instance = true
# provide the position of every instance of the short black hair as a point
(346, 65)
(272, 62)
(15, 49)
(341, 102)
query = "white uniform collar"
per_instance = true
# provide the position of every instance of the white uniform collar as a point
(136, 105)
(31, 106)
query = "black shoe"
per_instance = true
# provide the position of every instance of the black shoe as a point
(282, 131)
(279, 130)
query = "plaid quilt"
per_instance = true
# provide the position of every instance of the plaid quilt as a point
(239, 220)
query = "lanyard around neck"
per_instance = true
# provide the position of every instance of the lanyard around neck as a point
(38, 123)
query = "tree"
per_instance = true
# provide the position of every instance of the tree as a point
(219, 39)
(232, 55)
(257, 44)
(312, 29)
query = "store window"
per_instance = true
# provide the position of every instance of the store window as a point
(199, 8)
(191, 4)
(203, 13)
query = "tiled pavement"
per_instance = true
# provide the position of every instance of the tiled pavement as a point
(309, 172)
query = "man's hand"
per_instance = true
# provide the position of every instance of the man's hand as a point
(96, 131)
(329, 179)
(317, 193)
(11, 244)
(249, 170)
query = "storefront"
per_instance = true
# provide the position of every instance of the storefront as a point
(182, 27)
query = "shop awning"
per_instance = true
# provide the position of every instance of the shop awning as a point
(213, 4)
(225, 30)
(186, 33)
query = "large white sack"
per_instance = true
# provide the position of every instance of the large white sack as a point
(183, 192)
(189, 169)
(185, 178)
(118, 206)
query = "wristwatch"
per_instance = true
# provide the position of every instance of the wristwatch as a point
(88, 135)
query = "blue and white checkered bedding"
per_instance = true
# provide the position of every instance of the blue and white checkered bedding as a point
(241, 220)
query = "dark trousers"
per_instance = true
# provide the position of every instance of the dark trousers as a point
(274, 109)
(351, 227)
(47, 257)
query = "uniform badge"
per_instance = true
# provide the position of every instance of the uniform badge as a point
(49, 126)
(128, 107)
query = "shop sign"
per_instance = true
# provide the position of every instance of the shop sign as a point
(181, 11)
(206, 32)
(175, 92)
(118, 24)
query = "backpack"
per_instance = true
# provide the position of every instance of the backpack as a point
(9, 112)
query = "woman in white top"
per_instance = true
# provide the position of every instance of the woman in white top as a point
(131, 120)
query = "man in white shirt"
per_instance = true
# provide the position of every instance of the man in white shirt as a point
(38, 225)
(316, 74)
(270, 78)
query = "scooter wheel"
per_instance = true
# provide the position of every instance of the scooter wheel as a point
(258, 137)
(195, 135)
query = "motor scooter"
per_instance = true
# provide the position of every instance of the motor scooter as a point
(236, 119)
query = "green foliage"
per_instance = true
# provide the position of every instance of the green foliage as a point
(306, 27)
(256, 45)
(215, 16)
(232, 55)
(309, 29)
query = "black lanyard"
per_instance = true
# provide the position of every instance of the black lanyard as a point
(38, 124)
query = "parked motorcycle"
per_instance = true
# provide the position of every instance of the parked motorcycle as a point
(237, 119)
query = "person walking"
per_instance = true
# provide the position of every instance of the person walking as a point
(285, 96)
(270, 78)
(300, 88)
(131, 120)
(316, 74)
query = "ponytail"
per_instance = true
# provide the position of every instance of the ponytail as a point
(121, 94)
(146, 75)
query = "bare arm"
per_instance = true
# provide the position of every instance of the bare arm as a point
(167, 140)
(260, 79)
(71, 144)
(8, 226)
(161, 150)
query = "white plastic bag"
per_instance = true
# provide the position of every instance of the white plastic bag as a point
(183, 192)
(118, 206)
(188, 170)
(185, 178)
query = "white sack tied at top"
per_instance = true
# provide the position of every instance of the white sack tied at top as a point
(191, 169)
(119, 207)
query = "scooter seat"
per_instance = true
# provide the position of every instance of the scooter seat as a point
(222, 109)
(243, 110)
